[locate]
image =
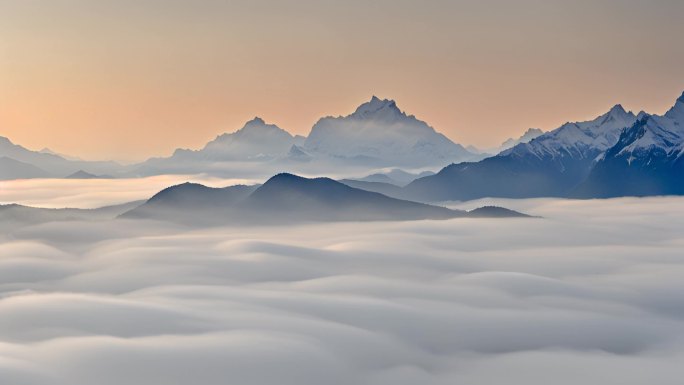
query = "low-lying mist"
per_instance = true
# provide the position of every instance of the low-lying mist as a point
(93, 193)
(589, 294)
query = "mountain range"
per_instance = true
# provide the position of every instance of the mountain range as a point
(549, 165)
(648, 159)
(378, 134)
(618, 153)
(17, 162)
(287, 198)
(526, 137)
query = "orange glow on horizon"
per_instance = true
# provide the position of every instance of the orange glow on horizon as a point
(77, 79)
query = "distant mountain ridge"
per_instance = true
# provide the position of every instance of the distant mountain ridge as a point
(616, 154)
(526, 137)
(20, 163)
(254, 141)
(377, 134)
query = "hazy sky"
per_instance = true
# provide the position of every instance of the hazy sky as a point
(130, 79)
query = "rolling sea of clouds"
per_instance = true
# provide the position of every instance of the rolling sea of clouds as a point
(588, 294)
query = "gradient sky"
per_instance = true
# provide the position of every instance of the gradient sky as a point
(130, 79)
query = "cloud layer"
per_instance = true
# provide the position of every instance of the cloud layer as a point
(93, 193)
(589, 294)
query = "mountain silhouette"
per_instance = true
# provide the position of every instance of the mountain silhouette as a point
(550, 165)
(284, 198)
(384, 135)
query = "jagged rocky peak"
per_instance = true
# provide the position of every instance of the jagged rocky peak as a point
(377, 105)
(379, 133)
(533, 131)
(618, 113)
(258, 124)
(642, 114)
(617, 109)
(677, 111)
(257, 121)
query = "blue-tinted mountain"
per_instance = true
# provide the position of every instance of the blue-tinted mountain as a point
(552, 164)
(382, 135)
(495, 212)
(256, 141)
(195, 201)
(326, 199)
(14, 216)
(648, 159)
(284, 198)
(377, 135)
(389, 189)
(395, 176)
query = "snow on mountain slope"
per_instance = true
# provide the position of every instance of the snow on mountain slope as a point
(646, 160)
(549, 165)
(665, 132)
(379, 131)
(579, 139)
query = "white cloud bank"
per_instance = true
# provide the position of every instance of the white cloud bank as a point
(591, 294)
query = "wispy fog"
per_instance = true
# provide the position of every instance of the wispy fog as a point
(590, 294)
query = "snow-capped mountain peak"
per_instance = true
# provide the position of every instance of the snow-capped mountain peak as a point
(664, 132)
(380, 131)
(617, 109)
(377, 108)
(616, 117)
(582, 139)
(255, 129)
(255, 140)
(677, 111)
(645, 161)
(256, 121)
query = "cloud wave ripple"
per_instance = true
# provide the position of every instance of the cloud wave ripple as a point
(589, 294)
